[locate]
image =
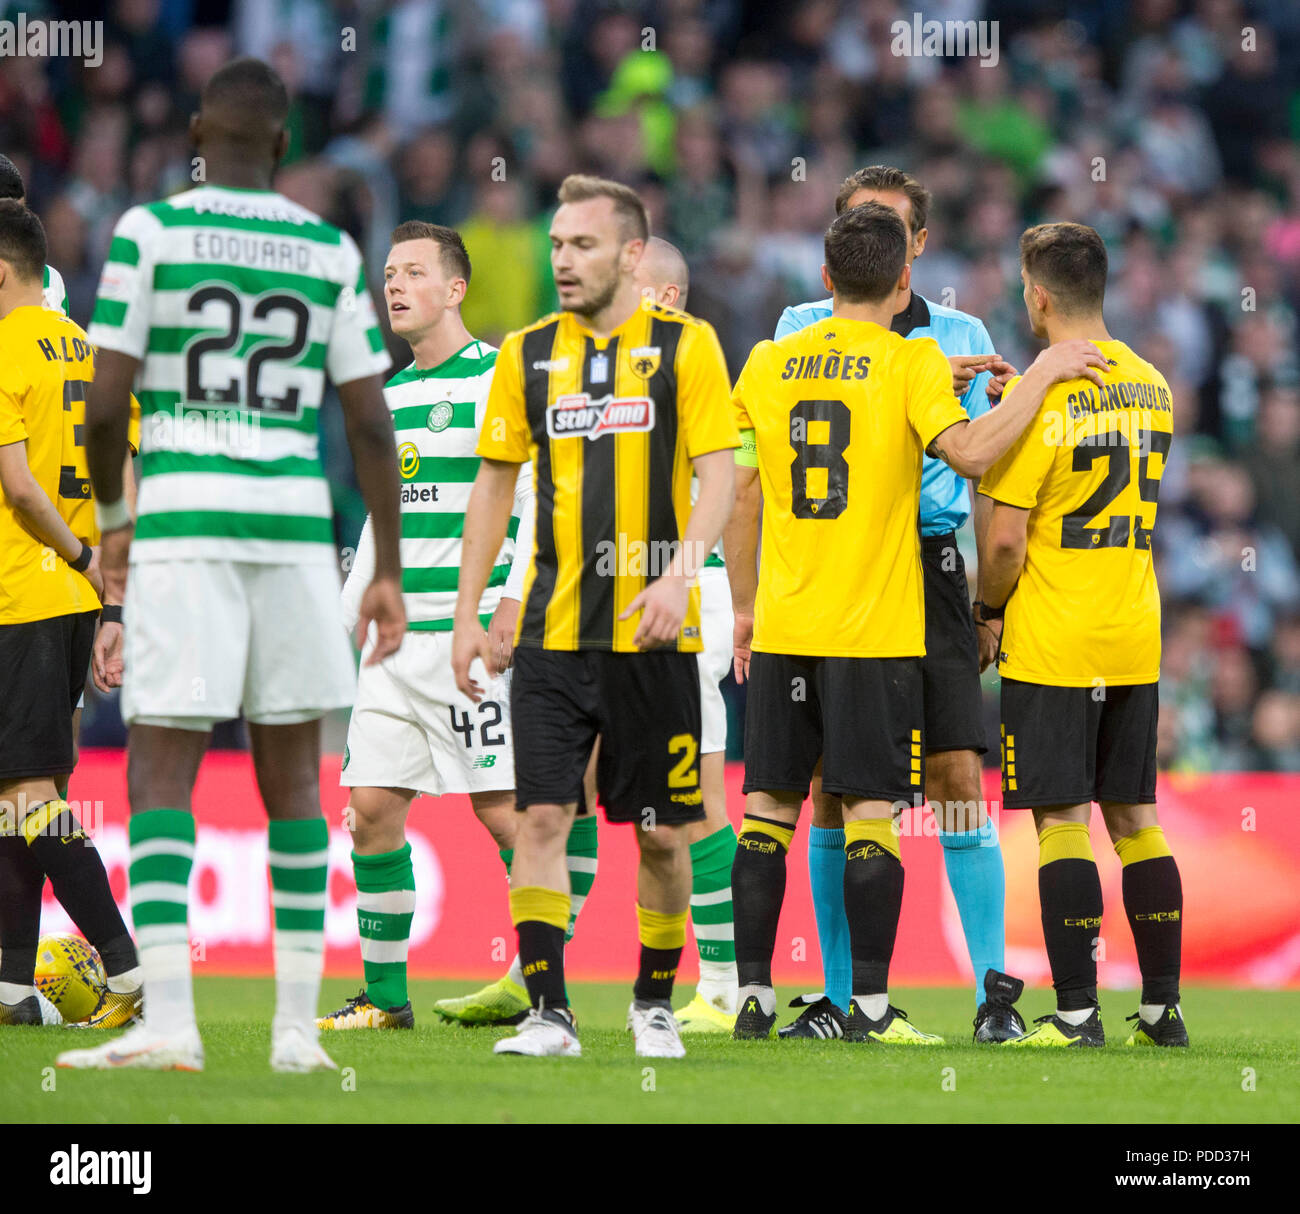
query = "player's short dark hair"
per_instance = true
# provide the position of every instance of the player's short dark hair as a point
(22, 240)
(11, 180)
(885, 177)
(1069, 259)
(628, 206)
(866, 250)
(247, 86)
(451, 248)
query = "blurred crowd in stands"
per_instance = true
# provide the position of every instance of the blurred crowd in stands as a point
(1172, 126)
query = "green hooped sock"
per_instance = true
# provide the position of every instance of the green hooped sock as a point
(581, 860)
(711, 913)
(299, 862)
(385, 907)
(162, 855)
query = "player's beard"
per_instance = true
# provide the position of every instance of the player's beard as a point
(600, 299)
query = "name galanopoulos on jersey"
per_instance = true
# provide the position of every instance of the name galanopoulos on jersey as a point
(578, 414)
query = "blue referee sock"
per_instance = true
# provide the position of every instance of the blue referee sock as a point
(973, 860)
(826, 876)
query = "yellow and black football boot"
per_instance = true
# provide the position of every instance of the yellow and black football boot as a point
(360, 1012)
(1052, 1031)
(1168, 1030)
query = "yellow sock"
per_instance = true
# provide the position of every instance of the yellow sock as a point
(661, 929)
(1145, 844)
(784, 835)
(1066, 841)
(879, 831)
(537, 904)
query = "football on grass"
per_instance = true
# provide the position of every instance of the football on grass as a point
(70, 975)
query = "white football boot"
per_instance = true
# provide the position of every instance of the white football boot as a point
(545, 1033)
(140, 1048)
(657, 1033)
(296, 1051)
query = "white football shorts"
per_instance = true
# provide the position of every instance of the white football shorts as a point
(716, 624)
(412, 728)
(205, 640)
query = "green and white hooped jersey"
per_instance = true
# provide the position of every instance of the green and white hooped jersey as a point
(437, 416)
(238, 303)
(55, 293)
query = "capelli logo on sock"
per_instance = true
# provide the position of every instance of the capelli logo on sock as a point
(75, 1166)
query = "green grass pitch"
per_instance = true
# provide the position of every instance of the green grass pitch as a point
(440, 1073)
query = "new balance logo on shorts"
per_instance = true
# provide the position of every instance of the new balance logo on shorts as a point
(484, 761)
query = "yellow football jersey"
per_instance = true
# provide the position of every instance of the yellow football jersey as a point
(611, 426)
(842, 413)
(46, 363)
(1086, 610)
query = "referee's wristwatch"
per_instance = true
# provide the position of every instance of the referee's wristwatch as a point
(984, 613)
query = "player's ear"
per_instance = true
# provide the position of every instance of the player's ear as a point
(196, 130)
(281, 145)
(905, 278)
(918, 242)
(671, 295)
(456, 292)
(826, 280)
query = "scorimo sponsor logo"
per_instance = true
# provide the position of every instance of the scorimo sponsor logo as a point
(579, 415)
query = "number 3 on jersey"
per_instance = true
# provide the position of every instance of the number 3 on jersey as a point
(819, 434)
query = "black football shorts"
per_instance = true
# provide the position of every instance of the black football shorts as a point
(1075, 745)
(43, 666)
(644, 706)
(861, 716)
(950, 670)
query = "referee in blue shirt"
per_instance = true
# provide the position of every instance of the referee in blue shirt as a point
(954, 733)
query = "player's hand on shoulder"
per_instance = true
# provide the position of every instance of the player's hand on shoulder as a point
(501, 635)
(663, 606)
(106, 657)
(742, 636)
(382, 604)
(1075, 359)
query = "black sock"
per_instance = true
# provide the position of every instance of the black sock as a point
(757, 891)
(1153, 898)
(541, 954)
(873, 898)
(67, 856)
(1070, 893)
(655, 977)
(21, 881)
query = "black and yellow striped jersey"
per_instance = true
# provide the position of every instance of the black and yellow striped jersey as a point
(1086, 610)
(611, 425)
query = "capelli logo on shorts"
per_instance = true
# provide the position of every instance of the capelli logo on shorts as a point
(75, 1166)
